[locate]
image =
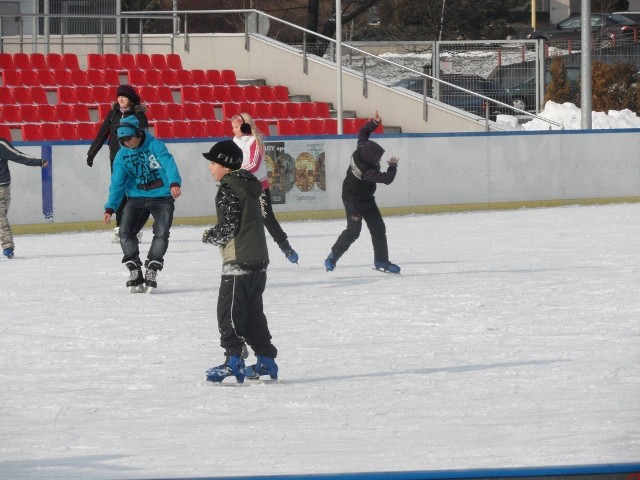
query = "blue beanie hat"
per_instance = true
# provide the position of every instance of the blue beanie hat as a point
(128, 127)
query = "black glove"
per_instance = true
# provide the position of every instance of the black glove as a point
(207, 235)
(90, 161)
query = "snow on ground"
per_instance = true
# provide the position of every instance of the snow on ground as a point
(511, 339)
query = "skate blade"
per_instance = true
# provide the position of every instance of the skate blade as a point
(148, 289)
(136, 289)
(384, 271)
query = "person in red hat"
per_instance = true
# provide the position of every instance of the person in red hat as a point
(127, 103)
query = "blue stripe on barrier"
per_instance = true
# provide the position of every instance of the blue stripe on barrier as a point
(47, 184)
(604, 469)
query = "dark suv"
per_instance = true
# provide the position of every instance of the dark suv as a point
(461, 99)
(607, 30)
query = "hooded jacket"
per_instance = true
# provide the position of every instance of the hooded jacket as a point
(9, 153)
(364, 173)
(240, 229)
(108, 129)
(148, 171)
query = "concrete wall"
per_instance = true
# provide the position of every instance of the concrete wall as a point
(437, 171)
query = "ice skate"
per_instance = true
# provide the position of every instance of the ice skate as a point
(150, 275)
(8, 252)
(289, 252)
(232, 367)
(386, 267)
(115, 236)
(330, 262)
(136, 281)
(264, 366)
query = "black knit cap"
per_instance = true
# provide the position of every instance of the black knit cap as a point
(129, 92)
(225, 153)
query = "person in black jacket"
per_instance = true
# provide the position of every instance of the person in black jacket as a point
(127, 103)
(9, 153)
(358, 191)
(240, 235)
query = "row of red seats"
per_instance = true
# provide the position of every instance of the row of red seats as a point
(39, 61)
(78, 77)
(107, 94)
(21, 114)
(106, 61)
(181, 77)
(51, 131)
(129, 61)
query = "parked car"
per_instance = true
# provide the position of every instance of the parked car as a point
(523, 95)
(633, 16)
(607, 30)
(461, 99)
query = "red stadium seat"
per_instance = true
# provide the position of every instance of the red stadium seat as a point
(6, 61)
(196, 128)
(353, 125)
(280, 93)
(112, 61)
(198, 77)
(266, 93)
(10, 115)
(165, 95)
(22, 95)
(32, 133)
(252, 93)
(184, 77)
(39, 96)
(331, 126)
(137, 78)
(87, 130)
(154, 77)
(21, 61)
(262, 126)
(262, 110)
(158, 61)
(214, 128)
(236, 93)
(67, 95)
(279, 110)
(55, 61)
(95, 61)
(174, 61)
(293, 109)
(127, 61)
(317, 126)
(322, 110)
(63, 77)
(308, 110)
(111, 77)
(229, 110)
(189, 94)
(143, 61)
(192, 111)
(11, 78)
(286, 127)
(52, 131)
(80, 113)
(29, 78)
(46, 78)
(64, 113)
(205, 93)
(71, 61)
(163, 129)
(29, 113)
(181, 130)
(102, 94)
(68, 131)
(228, 77)
(175, 111)
(208, 110)
(84, 95)
(220, 94)
(78, 77)
(213, 77)
(157, 112)
(169, 78)
(148, 94)
(6, 96)
(5, 132)
(38, 61)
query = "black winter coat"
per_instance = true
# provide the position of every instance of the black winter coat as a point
(364, 173)
(108, 130)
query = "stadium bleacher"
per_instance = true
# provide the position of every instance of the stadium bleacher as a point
(41, 92)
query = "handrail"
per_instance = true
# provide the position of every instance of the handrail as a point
(366, 54)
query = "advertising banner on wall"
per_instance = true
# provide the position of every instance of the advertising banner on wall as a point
(296, 171)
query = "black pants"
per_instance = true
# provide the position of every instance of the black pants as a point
(270, 220)
(356, 212)
(240, 314)
(136, 214)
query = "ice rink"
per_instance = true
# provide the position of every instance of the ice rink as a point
(511, 339)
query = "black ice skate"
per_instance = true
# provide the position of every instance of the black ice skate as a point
(135, 282)
(150, 275)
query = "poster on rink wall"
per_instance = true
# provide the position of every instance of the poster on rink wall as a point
(296, 172)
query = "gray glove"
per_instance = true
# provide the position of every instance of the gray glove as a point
(393, 161)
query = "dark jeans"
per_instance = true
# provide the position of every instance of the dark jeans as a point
(241, 316)
(356, 211)
(270, 220)
(135, 215)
